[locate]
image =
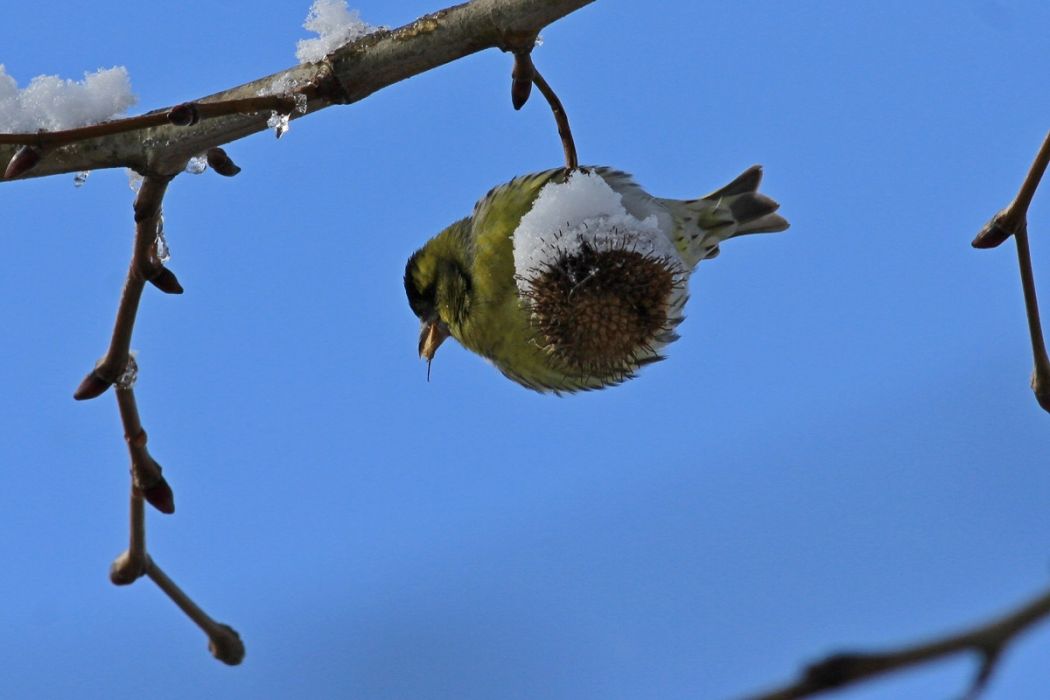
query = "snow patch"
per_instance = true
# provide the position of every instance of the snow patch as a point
(51, 103)
(335, 25)
(583, 209)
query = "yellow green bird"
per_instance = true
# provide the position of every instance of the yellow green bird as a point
(574, 280)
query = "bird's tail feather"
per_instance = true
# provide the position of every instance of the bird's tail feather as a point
(734, 210)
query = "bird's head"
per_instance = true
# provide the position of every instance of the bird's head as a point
(438, 287)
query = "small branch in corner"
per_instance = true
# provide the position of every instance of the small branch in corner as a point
(987, 642)
(1013, 221)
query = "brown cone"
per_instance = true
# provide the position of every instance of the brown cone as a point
(602, 311)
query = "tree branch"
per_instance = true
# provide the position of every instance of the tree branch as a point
(346, 75)
(987, 641)
(159, 144)
(144, 266)
(1013, 221)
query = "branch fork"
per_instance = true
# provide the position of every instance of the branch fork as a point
(1013, 221)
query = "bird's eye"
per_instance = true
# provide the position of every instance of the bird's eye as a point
(423, 301)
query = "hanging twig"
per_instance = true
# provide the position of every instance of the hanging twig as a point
(523, 76)
(560, 118)
(144, 267)
(223, 641)
(146, 475)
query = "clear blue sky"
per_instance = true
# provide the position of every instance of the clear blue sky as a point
(841, 451)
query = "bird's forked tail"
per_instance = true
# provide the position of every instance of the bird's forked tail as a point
(734, 210)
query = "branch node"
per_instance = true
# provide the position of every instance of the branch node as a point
(185, 114)
(989, 660)
(126, 569)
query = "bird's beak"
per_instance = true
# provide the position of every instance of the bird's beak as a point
(431, 334)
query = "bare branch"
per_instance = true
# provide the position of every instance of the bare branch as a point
(156, 146)
(987, 641)
(223, 641)
(1013, 221)
(146, 476)
(560, 118)
(144, 266)
(131, 564)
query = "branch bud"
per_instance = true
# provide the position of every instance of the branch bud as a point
(160, 496)
(521, 80)
(997, 230)
(226, 645)
(125, 569)
(221, 163)
(166, 281)
(92, 386)
(24, 160)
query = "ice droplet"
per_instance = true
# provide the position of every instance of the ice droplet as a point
(131, 372)
(197, 165)
(80, 178)
(300, 102)
(134, 180)
(539, 40)
(278, 122)
(161, 243)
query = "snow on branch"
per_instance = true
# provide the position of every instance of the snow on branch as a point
(53, 104)
(350, 72)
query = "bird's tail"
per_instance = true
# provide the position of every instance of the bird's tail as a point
(734, 210)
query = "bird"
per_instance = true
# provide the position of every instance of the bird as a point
(571, 280)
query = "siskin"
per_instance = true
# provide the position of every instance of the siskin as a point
(574, 280)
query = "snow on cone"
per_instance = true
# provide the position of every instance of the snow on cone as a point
(605, 289)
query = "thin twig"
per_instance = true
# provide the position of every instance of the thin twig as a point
(1035, 174)
(160, 117)
(560, 118)
(1013, 221)
(146, 474)
(144, 266)
(131, 564)
(986, 641)
(1041, 371)
(223, 641)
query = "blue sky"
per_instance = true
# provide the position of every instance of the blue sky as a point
(841, 451)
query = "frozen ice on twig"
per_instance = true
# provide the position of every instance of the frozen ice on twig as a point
(278, 122)
(51, 103)
(134, 180)
(161, 244)
(80, 178)
(281, 85)
(300, 102)
(335, 25)
(197, 164)
(131, 372)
